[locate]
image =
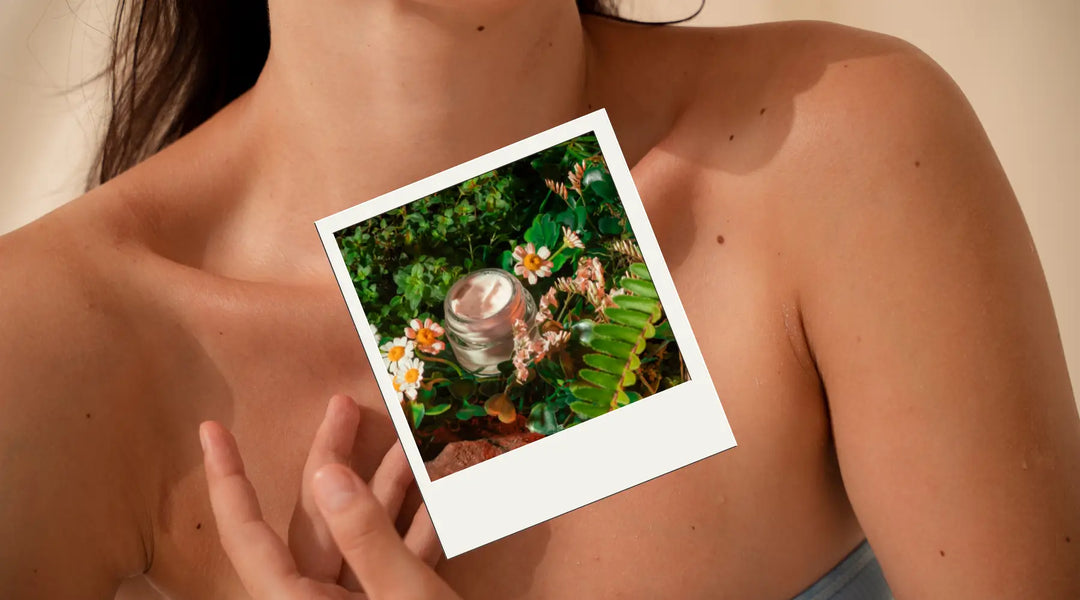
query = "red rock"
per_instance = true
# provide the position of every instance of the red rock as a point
(460, 455)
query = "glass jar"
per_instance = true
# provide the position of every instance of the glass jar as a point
(480, 311)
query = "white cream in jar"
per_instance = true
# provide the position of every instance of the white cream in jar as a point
(480, 311)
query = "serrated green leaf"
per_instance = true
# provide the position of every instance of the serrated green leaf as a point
(639, 287)
(640, 270)
(604, 363)
(590, 393)
(587, 410)
(631, 318)
(617, 332)
(606, 381)
(617, 349)
(638, 303)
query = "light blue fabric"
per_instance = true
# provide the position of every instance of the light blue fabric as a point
(857, 577)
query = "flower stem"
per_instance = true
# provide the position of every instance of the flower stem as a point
(445, 362)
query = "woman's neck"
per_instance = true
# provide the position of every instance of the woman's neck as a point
(358, 98)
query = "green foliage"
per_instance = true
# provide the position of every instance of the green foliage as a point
(403, 263)
(618, 345)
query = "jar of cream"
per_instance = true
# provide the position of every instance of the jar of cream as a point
(480, 311)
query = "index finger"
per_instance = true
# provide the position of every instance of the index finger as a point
(369, 542)
(260, 558)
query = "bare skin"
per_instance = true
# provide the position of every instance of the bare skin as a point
(848, 250)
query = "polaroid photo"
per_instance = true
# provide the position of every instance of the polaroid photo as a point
(525, 332)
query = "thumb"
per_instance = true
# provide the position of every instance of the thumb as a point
(368, 541)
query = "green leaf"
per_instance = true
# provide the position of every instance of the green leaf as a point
(580, 217)
(631, 318)
(437, 410)
(640, 270)
(628, 379)
(609, 226)
(617, 349)
(664, 331)
(588, 411)
(542, 420)
(600, 379)
(462, 389)
(638, 303)
(593, 394)
(633, 396)
(507, 260)
(618, 332)
(622, 399)
(417, 412)
(639, 287)
(469, 411)
(563, 257)
(604, 363)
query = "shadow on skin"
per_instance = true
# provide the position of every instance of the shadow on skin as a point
(757, 74)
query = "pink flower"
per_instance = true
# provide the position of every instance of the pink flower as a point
(521, 369)
(571, 238)
(589, 268)
(575, 176)
(547, 301)
(555, 340)
(566, 285)
(426, 335)
(558, 188)
(532, 263)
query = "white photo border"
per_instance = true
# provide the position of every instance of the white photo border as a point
(549, 477)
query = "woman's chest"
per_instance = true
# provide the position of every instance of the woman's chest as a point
(265, 368)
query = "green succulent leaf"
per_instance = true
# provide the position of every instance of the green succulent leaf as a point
(591, 393)
(600, 379)
(640, 270)
(617, 332)
(614, 348)
(587, 410)
(638, 303)
(604, 363)
(629, 318)
(639, 287)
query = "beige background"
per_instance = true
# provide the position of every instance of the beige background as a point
(1017, 60)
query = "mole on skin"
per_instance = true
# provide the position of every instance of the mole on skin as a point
(480, 28)
(719, 239)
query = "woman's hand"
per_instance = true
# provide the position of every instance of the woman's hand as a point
(338, 517)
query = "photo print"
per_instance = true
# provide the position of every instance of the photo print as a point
(515, 301)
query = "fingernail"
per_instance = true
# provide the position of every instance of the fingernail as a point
(204, 438)
(334, 488)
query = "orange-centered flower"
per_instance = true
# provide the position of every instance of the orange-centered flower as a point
(532, 263)
(426, 335)
(395, 350)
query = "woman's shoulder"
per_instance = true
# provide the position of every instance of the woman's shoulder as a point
(68, 369)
